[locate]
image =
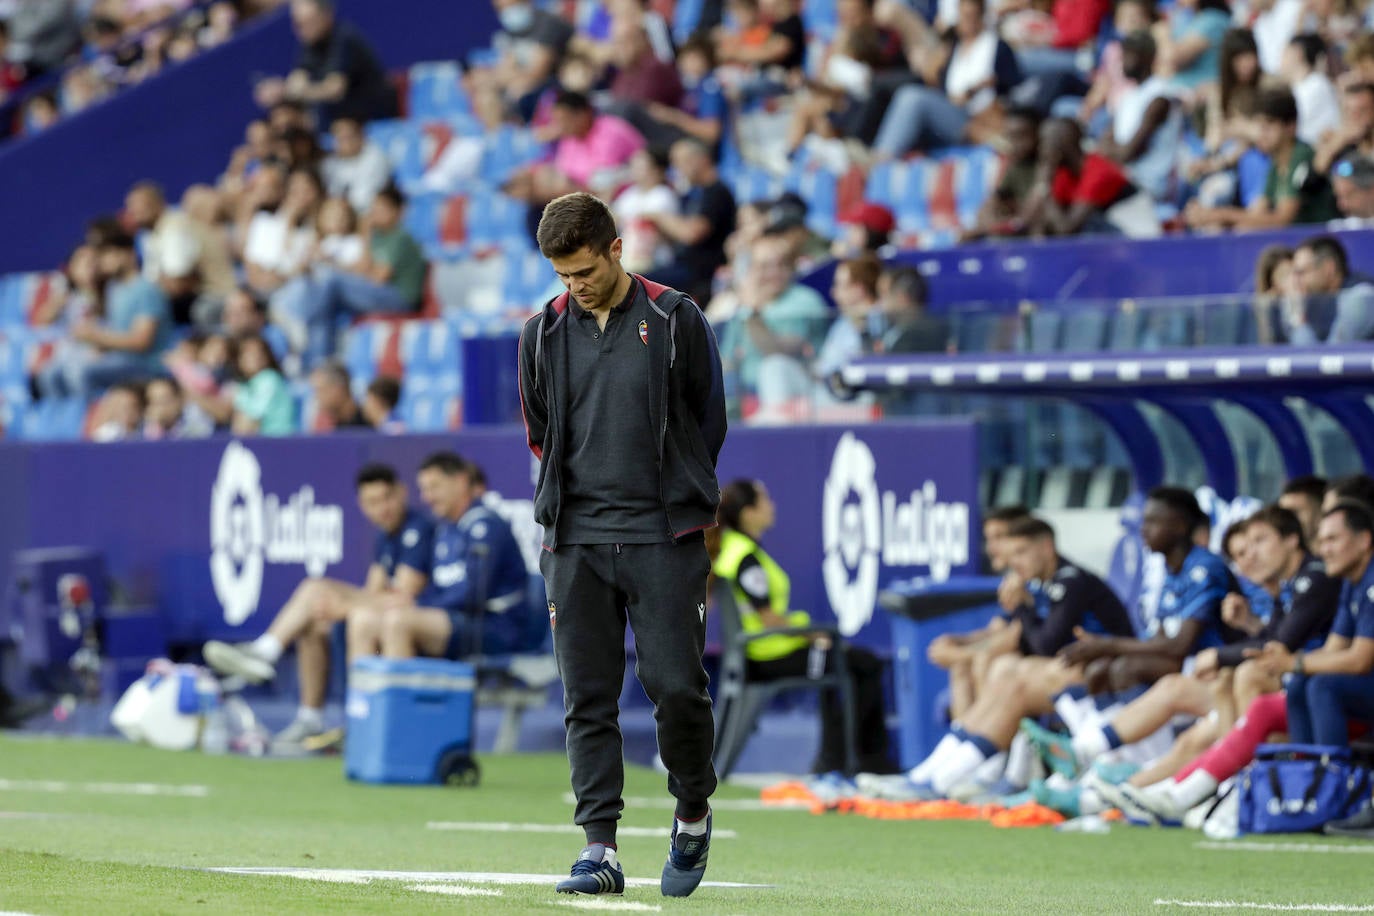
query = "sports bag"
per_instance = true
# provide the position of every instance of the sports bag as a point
(1292, 788)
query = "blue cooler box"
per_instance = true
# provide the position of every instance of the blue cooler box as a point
(410, 721)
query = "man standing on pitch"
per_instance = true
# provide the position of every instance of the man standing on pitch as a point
(620, 383)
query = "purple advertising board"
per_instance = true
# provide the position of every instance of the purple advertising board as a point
(216, 533)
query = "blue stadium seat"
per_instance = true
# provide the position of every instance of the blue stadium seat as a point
(1168, 326)
(12, 300)
(975, 176)
(362, 350)
(976, 332)
(507, 149)
(754, 184)
(1127, 329)
(1043, 331)
(436, 91)
(1085, 331)
(820, 18)
(686, 15)
(1227, 323)
(912, 205)
(422, 219)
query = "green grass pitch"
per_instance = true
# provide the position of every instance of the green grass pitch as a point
(70, 845)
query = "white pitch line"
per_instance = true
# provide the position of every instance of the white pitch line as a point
(425, 877)
(668, 803)
(102, 788)
(503, 827)
(1280, 907)
(1234, 846)
(455, 890)
(594, 903)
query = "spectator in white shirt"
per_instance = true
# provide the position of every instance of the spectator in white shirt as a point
(339, 243)
(1319, 109)
(645, 247)
(180, 254)
(1274, 27)
(357, 169)
(278, 242)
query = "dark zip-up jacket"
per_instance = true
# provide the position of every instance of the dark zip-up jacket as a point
(686, 401)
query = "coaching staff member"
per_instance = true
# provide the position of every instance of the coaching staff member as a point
(620, 382)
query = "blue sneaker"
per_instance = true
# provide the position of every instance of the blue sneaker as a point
(1063, 799)
(596, 871)
(686, 861)
(1115, 772)
(1055, 749)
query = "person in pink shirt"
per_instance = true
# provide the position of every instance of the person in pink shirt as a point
(592, 153)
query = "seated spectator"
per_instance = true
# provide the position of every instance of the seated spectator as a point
(135, 330)
(786, 218)
(84, 296)
(1275, 23)
(245, 314)
(1354, 134)
(1190, 43)
(866, 227)
(1098, 107)
(1359, 60)
(596, 30)
(768, 34)
(43, 35)
(1335, 306)
(750, 221)
(1147, 129)
(337, 73)
(1304, 69)
(335, 408)
(277, 227)
(168, 416)
(1273, 287)
(959, 101)
(379, 405)
(699, 232)
(1353, 181)
(187, 258)
(771, 341)
(645, 248)
(263, 405)
(357, 168)
(910, 328)
(118, 416)
(1079, 192)
(1294, 192)
(592, 153)
(854, 330)
(641, 76)
(762, 592)
(401, 557)
(244, 162)
(337, 242)
(476, 602)
(702, 111)
(299, 148)
(1240, 76)
(531, 45)
(1005, 212)
(205, 365)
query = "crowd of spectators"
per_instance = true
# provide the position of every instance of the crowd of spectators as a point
(1133, 119)
(73, 53)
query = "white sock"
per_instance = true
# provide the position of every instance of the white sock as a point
(609, 855)
(692, 828)
(312, 717)
(1019, 758)
(921, 772)
(1089, 744)
(992, 769)
(957, 766)
(1089, 802)
(1076, 714)
(1196, 787)
(267, 646)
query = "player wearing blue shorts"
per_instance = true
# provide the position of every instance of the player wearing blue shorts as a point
(399, 571)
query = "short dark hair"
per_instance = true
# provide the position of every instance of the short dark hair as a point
(1007, 514)
(236, 345)
(1284, 521)
(1359, 487)
(573, 222)
(336, 371)
(385, 389)
(1030, 527)
(1278, 105)
(1141, 45)
(735, 497)
(376, 472)
(1180, 501)
(702, 45)
(865, 271)
(1359, 517)
(908, 282)
(1308, 485)
(137, 389)
(393, 194)
(1328, 248)
(1361, 87)
(572, 100)
(1312, 46)
(108, 232)
(168, 380)
(1234, 529)
(477, 474)
(446, 462)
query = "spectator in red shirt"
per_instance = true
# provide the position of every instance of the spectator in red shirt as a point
(1077, 193)
(641, 77)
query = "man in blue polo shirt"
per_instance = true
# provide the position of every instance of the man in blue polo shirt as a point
(476, 601)
(399, 572)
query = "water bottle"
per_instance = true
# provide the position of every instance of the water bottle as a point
(214, 728)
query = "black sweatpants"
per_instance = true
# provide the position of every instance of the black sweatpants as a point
(870, 726)
(662, 589)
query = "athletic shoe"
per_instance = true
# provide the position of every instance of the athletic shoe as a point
(686, 861)
(831, 788)
(1359, 825)
(1054, 749)
(899, 788)
(1108, 791)
(1114, 772)
(1152, 809)
(596, 871)
(238, 659)
(1063, 799)
(297, 739)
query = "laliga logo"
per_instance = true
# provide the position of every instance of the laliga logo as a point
(249, 529)
(864, 529)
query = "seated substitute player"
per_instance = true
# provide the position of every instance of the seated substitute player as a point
(1066, 598)
(967, 656)
(1303, 497)
(476, 602)
(399, 572)
(1305, 600)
